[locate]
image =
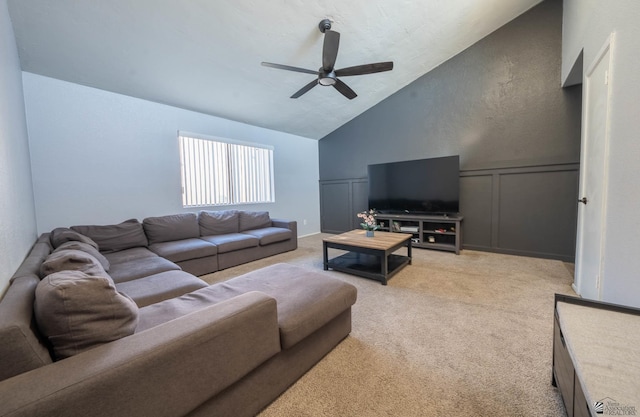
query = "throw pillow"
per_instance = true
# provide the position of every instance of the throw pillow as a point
(218, 222)
(61, 235)
(115, 237)
(71, 260)
(84, 247)
(250, 220)
(77, 312)
(172, 227)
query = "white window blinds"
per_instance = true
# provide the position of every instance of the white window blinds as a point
(219, 171)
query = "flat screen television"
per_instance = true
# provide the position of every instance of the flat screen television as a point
(422, 186)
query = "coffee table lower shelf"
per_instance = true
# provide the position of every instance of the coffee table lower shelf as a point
(368, 266)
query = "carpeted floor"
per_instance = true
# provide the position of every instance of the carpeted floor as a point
(467, 335)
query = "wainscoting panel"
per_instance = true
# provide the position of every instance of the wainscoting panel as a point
(340, 201)
(335, 207)
(538, 213)
(360, 201)
(528, 211)
(476, 202)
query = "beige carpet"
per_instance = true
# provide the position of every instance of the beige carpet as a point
(467, 335)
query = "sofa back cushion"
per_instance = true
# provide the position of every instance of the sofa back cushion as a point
(21, 349)
(115, 237)
(71, 260)
(218, 222)
(172, 227)
(250, 220)
(81, 246)
(61, 235)
(77, 312)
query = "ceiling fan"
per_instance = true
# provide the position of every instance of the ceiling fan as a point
(327, 75)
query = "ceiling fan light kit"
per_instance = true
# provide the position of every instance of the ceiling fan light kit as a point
(327, 75)
(327, 79)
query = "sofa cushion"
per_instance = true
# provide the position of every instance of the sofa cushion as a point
(160, 287)
(71, 260)
(183, 250)
(85, 247)
(138, 268)
(115, 237)
(61, 235)
(127, 255)
(269, 235)
(306, 299)
(172, 227)
(218, 222)
(250, 220)
(232, 241)
(77, 312)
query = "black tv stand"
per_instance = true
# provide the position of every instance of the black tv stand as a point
(442, 232)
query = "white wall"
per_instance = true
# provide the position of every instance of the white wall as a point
(100, 157)
(17, 215)
(586, 25)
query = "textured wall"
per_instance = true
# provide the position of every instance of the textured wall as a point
(498, 105)
(17, 216)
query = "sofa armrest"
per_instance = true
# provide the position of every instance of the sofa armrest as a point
(286, 224)
(167, 370)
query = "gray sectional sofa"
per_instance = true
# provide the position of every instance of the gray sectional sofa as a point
(112, 320)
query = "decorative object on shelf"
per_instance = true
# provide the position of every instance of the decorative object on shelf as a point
(427, 231)
(368, 221)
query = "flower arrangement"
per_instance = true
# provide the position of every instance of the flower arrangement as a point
(368, 220)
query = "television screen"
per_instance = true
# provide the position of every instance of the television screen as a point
(423, 186)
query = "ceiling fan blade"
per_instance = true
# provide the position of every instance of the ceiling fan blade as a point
(289, 68)
(305, 89)
(330, 49)
(345, 90)
(365, 69)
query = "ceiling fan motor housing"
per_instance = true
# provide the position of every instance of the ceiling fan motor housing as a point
(324, 25)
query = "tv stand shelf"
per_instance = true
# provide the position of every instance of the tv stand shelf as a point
(429, 231)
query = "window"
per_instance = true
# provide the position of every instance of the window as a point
(221, 172)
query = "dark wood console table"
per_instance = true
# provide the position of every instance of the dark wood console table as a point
(428, 232)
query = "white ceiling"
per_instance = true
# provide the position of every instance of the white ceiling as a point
(204, 55)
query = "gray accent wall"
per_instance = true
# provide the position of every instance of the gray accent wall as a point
(500, 106)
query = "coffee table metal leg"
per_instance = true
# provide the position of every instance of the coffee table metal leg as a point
(384, 266)
(325, 256)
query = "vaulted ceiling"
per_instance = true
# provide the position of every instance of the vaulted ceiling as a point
(205, 55)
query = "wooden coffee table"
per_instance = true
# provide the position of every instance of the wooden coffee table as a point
(369, 257)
